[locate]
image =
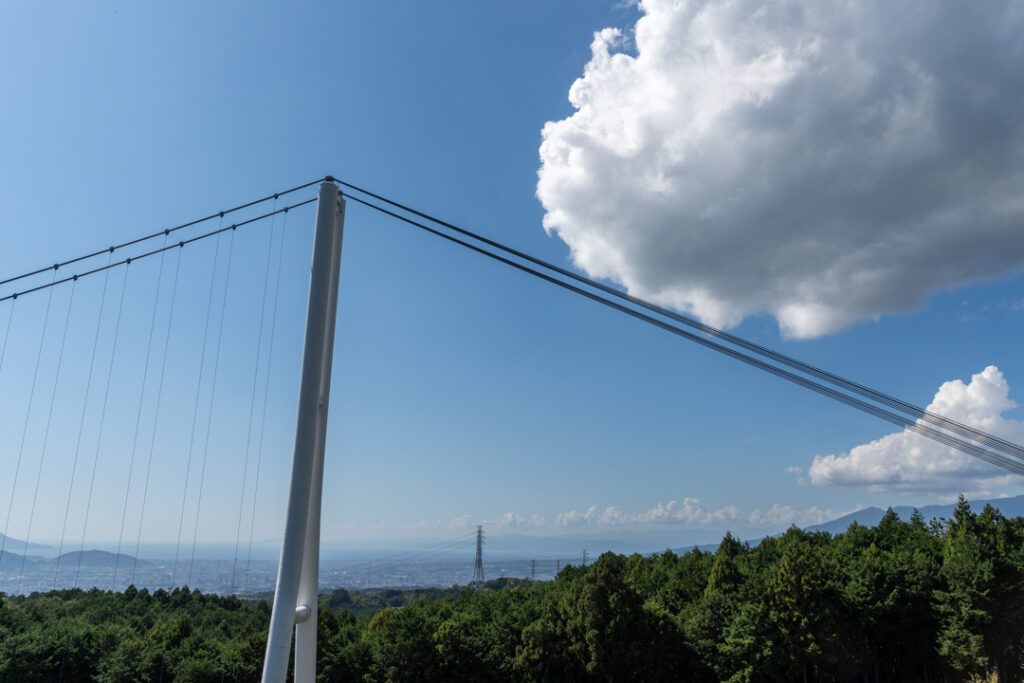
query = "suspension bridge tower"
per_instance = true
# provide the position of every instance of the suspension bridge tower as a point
(296, 593)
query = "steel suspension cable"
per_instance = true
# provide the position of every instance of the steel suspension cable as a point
(213, 395)
(266, 393)
(156, 413)
(46, 432)
(972, 433)
(899, 420)
(24, 431)
(195, 409)
(177, 245)
(7, 335)
(138, 416)
(103, 421)
(252, 403)
(81, 427)
(248, 430)
(166, 231)
(74, 278)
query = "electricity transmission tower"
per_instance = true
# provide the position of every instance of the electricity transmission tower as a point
(478, 566)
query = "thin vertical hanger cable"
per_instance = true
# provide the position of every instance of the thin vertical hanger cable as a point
(138, 414)
(213, 396)
(252, 400)
(46, 431)
(7, 335)
(156, 413)
(266, 393)
(81, 425)
(3, 355)
(195, 409)
(24, 431)
(252, 404)
(102, 424)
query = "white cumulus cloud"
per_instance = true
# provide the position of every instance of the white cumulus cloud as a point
(784, 515)
(907, 461)
(824, 161)
(691, 512)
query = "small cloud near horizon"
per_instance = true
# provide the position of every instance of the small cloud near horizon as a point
(691, 514)
(905, 461)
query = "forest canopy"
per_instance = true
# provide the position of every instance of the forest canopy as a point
(906, 600)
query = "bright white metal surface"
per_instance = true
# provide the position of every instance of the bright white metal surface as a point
(309, 582)
(307, 463)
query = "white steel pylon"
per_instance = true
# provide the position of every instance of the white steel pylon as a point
(295, 596)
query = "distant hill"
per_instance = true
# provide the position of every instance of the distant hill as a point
(19, 546)
(98, 559)
(866, 517)
(93, 559)
(9, 560)
(1009, 507)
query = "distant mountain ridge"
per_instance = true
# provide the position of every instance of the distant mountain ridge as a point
(1009, 507)
(15, 545)
(12, 561)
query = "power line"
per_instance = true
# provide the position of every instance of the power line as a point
(176, 245)
(167, 231)
(894, 418)
(990, 440)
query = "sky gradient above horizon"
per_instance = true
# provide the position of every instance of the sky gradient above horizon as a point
(842, 188)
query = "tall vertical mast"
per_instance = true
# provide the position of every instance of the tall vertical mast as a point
(295, 596)
(478, 566)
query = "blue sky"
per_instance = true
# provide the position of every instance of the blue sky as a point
(465, 392)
